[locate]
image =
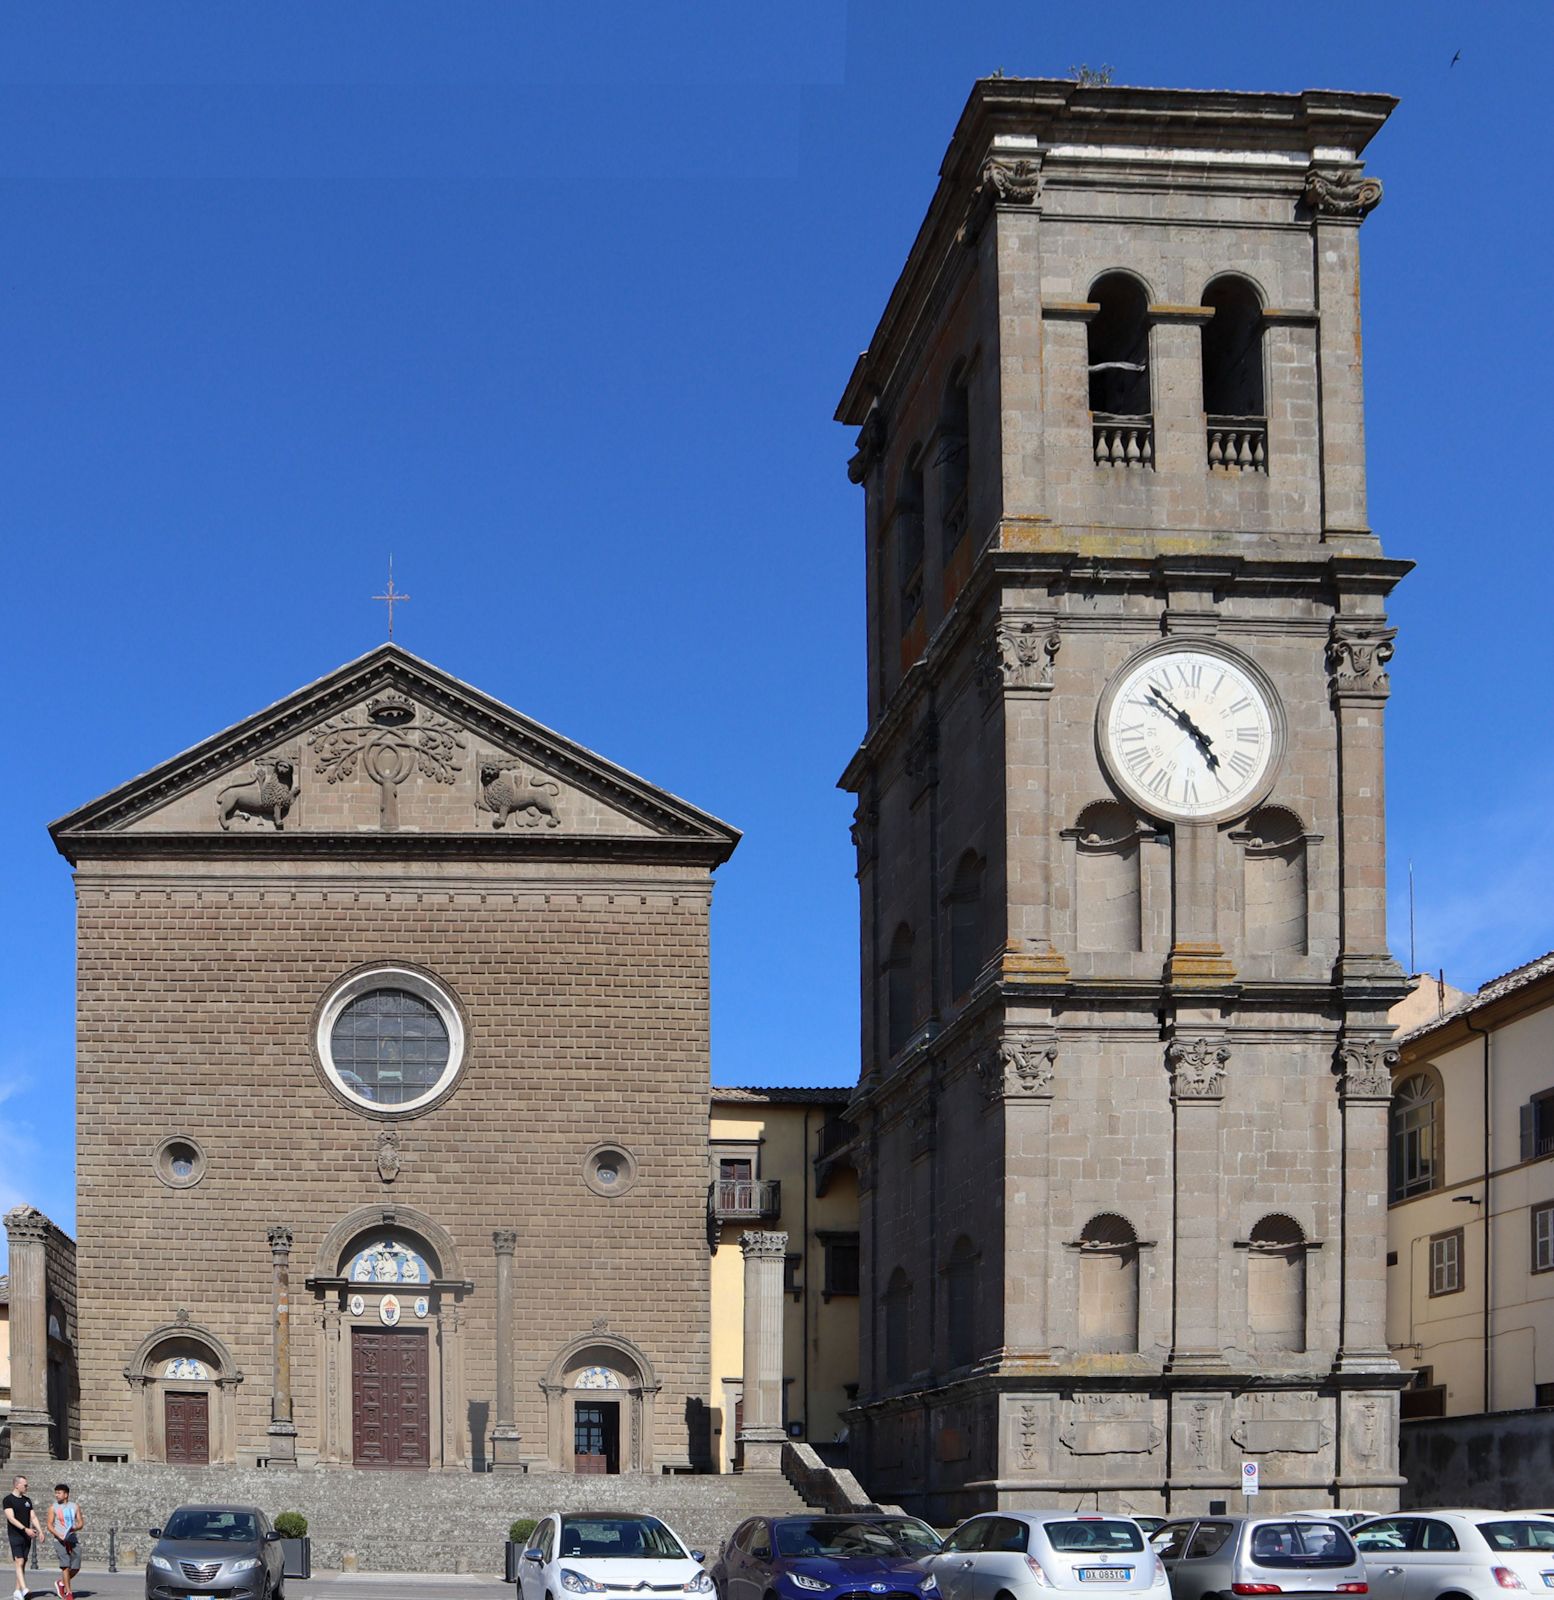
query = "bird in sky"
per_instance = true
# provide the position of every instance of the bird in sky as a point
(1456, 58)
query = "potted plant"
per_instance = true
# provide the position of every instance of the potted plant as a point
(292, 1526)
(518, 1536)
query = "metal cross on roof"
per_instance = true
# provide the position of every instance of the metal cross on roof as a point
(390, 597)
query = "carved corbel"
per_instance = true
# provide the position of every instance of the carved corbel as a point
(999, 183)
(1340, 194)
(1357, 657)
(870, 446)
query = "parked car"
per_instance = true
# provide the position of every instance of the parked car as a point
(209, 1551)
(581, 1552)
(1476, 1553)
(1242, 1555)
(1348, 1520)
(1027, 1555)
(1150, 1525)
(798, 1558)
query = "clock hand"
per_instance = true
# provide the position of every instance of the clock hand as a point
(1185, 722)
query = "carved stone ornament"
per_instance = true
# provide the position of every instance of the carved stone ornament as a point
(1341, 194)
(870, 447)
(1357, 656)
(508, 792)
(181, 1316)
(764, 1244)
(922, 756)
(999, 183)
(1197, 1068)
(1018, 1066)
(280, 1241)
(924, 1126)
(1019, 655)
(1365, 1068)
(266, 797)
(863, 1165)
(504, 1241)
(1027, 1436)
(390, 1156)
(27, 1223)
(866, 819)
(388, 744)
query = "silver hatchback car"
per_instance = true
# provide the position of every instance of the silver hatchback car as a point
(1223, 1556)
(1027, 1555)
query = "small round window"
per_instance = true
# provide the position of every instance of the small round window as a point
(179, 1162)
(609, 1170)
(390, 1040)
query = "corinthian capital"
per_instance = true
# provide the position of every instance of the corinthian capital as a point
(1365, 1068)
(1357, 657)
(764, 1244)
(1197, 1068)
(1341, 194)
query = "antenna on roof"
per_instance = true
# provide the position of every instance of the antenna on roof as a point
(1413, 965)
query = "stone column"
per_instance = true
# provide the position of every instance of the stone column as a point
(1197, 1065)
(28, 1231)
(282, 1432)
(1365, 1067)
(1018, 1072)
(504, 1434)
(761, 1437)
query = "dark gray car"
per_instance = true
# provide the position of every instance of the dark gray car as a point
(1222, 1556)
(216, 1553)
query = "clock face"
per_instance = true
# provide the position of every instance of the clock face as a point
(1190, 731)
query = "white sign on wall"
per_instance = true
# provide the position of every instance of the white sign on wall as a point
(1249, 1472)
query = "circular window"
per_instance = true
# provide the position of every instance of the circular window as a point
(609, 1170)
(179, 1162)
(390, 1040)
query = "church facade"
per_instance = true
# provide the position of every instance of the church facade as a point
(392, 1076)
(1125, 976)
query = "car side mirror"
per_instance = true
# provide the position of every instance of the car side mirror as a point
(156, 1533)
(762, 1553)
(271, 1536)
(533, 1555)
(698, 1555)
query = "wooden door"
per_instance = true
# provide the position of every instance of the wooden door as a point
(390, 1400)
(596, 1437)
(186, 1429)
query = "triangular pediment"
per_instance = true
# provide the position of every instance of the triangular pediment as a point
(389, 753)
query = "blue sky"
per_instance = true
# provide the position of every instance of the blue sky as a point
(555, 303)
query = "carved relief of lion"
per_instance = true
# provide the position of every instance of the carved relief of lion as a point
(506, 791)
(269, 793)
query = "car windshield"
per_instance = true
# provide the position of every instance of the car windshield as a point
(1302, 1544)
(915, 1538)
(1518, 1535)
(836, 1537)
(234, 1527)
(1094, 1535)
(640, 1538)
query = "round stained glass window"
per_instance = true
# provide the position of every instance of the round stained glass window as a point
(390, 1040)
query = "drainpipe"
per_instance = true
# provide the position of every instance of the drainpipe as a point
(1489, 1168)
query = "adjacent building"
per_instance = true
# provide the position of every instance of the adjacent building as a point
(1123, 1106)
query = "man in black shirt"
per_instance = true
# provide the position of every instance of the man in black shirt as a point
(21, 1528)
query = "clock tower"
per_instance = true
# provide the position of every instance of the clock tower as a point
(1123, 1105)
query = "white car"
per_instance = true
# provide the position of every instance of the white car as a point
(1034, 1555)
(1428, 1555)
(608, 1552)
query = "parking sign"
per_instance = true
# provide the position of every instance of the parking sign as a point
(1249, 1477)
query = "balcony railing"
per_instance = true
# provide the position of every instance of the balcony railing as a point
(1123, 441)
(1238, 444)
(746, 1199)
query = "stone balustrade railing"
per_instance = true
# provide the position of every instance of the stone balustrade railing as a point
(1238, 444)
(1123, 441)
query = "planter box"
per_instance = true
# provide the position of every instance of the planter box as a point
(299, 1557)
(514, 1559)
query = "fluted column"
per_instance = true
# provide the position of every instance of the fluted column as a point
(282, 1431)
(28, 1231)
(504, 1434)
(761, 1434)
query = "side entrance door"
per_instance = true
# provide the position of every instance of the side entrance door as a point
(390, 1405)
(186, 1429)
(596, 1437)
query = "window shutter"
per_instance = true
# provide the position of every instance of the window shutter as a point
(1529, 1131)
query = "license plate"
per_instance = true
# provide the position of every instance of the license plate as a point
(1105, 1574)
(199, 1597)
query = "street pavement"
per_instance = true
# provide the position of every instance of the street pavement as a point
(100, 1585)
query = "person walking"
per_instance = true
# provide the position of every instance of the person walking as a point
(21, 1528)
(66, 1523)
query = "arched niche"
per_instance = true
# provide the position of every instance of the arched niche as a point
(1276, 872)
(1276, 1285)
(606, 1373)
(390, 1271)
(1108, 1286)
(1108, 888)
(191, 1368)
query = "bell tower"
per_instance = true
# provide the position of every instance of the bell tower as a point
(1123, 1100)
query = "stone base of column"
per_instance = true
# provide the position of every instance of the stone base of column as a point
(1206, 1361)
(1369, 1361)
(504, 1450)
(1033, 966)
(1202, 966)
(30, 1439)
(761, 1454)
(1377, 973)
(282, 1438)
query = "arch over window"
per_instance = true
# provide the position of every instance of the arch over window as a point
(966, 920)
(898, 1326)
(1109, 898)
(1119, 347)
(601, 1367)
(185, 1383)
(1416, 1135)
(960, 1286)
(1274, 882)
(368, 1225)
(1108, 1286)
(1276, 1285)
(900, 999)
(909, 537)
(954, 460)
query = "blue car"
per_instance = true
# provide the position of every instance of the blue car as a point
(827, 1558)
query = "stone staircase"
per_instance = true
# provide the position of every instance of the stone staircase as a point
(403, 1521)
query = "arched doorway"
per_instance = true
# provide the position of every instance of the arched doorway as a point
(599, 1399)
(388, 1288)
(186, 1382)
